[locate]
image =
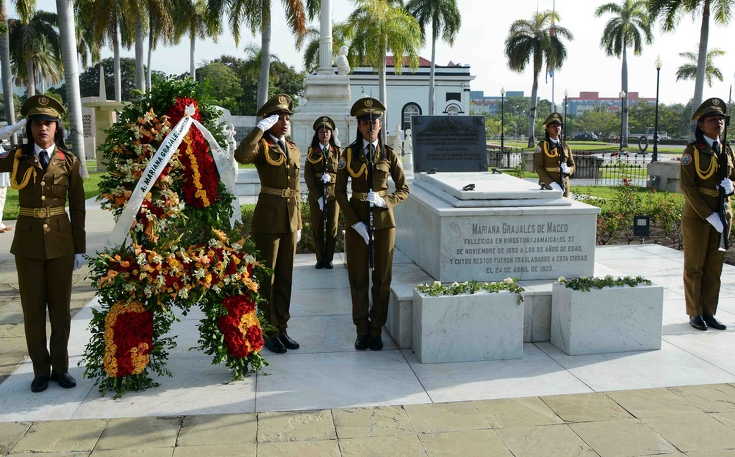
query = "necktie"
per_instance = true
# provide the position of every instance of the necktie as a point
(43, 158)
(283, 146)
(716, 147)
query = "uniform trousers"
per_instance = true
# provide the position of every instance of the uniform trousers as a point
(702, 264)
(277, 251)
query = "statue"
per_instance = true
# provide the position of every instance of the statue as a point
(343, 65)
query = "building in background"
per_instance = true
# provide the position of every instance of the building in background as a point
(482, 105)
(591, 101)
(408, 92)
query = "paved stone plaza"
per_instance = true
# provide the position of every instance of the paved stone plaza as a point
(327, 399)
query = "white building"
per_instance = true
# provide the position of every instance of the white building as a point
(408, 92)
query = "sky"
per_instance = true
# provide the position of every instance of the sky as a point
(480, 43)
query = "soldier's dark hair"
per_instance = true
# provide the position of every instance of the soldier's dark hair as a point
(315, 140)
(58, 137)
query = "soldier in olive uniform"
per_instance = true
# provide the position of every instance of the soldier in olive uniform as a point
(47, 245)
(320, 172)
(702, 179)
(552, 173)
(369, 195)
(277, 218)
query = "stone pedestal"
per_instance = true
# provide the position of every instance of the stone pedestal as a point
(105, 114)
(665, 174)
(326, 95)
(505, 227)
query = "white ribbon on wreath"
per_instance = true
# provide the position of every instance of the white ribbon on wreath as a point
(159, 161)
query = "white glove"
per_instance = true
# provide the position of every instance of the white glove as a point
(566, 169)
(376, 200)
(555, 185)
(361, 229)
(727, 185)
(321, 203)
(298, 236)
(79, 260)
(714, 219)
(326, 178)
(265, 124)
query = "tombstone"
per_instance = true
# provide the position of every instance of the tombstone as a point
(449, 143)
(89, 132)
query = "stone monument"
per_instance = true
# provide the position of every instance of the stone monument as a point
(327, 92)
(449, 143)
(102, 114)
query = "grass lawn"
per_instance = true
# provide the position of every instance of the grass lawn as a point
(608, 192)
(11, 203)
(594, 146)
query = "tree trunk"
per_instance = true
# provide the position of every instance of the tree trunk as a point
(139, 54)
(192, 48)
(701, 59)
(150, 53)
(532, 106)
(30, 78)
(67, 36)
(383, 92)
(116, 60)
(624, 78)
(265, 57)
(6, 74)
(432, 96)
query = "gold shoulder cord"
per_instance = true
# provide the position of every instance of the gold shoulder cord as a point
(546, 151)
(266, 154)
(30, 173)
(313, 161)
(360, 172)
(705, 174)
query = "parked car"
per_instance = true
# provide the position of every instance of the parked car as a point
(586, 136)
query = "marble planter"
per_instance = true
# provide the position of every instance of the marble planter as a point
(614, 319)
(467, 328)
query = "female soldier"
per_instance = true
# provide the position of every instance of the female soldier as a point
(47, 245)
(372, 234)
(320, 173)
(553, 160)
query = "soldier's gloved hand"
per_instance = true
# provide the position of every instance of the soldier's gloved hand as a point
(727, 185)
(298, 236)
(321, 203)
(714, 220)
(326, 178)
(361, 229)
(376, 200)
(265, 124)
(555, 185)
(566, 169)
(79, 260)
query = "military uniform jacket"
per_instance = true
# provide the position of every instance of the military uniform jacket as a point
(277, 169)
(700, 179)
(55, 236)
(315, 167)
(353, 165)
(546, 162)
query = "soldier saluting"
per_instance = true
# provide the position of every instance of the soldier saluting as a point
(47, 245)
(705, 177)
(371, 236)
(320, 172)
(277, 218)
(553, 161)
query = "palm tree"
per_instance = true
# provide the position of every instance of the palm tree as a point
(5, 63)
(444, 17)
(67, 35)
(689, 70)
(671, 11)
(311, 52)
(537, 40)
(33, 33)
(630, 26)
(108, 25)
(160, 28)
(377, 27)
(195, 20)
(256, 15)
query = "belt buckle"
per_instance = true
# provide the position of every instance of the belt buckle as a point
(42, 212)
(286, 193)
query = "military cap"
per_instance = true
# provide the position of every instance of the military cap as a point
(554, 118)
(42, 107)
(276, 104)
(366, 106)
(324, 121)
(710, 107)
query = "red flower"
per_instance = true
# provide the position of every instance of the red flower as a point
(130, 330)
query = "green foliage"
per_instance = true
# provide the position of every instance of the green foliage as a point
(220, 84)
(586, 283)
(436, 288)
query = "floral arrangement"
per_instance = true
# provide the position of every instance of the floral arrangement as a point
(182, 253)
(436, 288)
(585, 284)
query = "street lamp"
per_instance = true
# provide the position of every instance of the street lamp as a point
(502, 120)
(655, 128)
(622, 98)
(566, 121)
